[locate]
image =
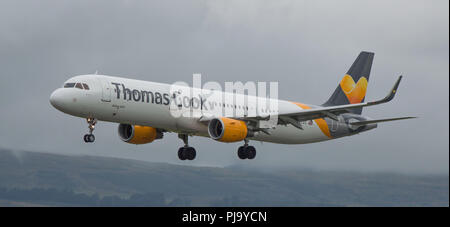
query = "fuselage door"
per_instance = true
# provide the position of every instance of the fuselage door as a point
(106, 90)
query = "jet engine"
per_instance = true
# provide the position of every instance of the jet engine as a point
(136, 134)
(227, 130)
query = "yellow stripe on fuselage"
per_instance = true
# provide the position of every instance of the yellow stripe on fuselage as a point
(319, 121)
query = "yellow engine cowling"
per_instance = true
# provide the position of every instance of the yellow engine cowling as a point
(136, 134)
(227, 130)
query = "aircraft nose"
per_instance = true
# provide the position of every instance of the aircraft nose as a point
(56, 98)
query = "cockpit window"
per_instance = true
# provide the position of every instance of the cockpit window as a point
(86, 87)
(69, 85)
(77, 85)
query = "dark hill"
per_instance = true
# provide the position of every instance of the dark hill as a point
(126, 182)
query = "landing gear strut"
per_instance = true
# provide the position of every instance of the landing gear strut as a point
(90, 138)
(186, 152)
(246, 151)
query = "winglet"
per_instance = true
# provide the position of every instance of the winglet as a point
(390, 95)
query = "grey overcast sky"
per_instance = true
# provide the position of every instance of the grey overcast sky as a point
(306, 46)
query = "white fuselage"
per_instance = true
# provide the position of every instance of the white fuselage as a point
(137, 102)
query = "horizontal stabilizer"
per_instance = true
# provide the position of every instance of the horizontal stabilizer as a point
(360, 123)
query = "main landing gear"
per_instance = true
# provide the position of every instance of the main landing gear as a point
(246, 151)
(186, 152)
(90, 138)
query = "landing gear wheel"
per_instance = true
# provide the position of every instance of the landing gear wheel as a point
(251, 152)
(242, 154)
(89, 138)
(246, 152)
(191, 153)
(187, 153)
(182, 153)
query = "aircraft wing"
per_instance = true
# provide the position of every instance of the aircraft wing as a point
(328, 111)
(333, 111)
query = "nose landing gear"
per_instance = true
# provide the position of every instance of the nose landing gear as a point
(186, 152)
(90, 138)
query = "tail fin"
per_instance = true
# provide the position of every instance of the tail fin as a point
(353, 86)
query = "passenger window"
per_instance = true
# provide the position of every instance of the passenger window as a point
(86, 87)
(69, 85)
(78, 85)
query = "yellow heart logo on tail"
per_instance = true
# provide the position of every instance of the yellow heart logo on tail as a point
(355, 92)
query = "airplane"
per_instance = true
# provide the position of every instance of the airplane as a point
(144, 111)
